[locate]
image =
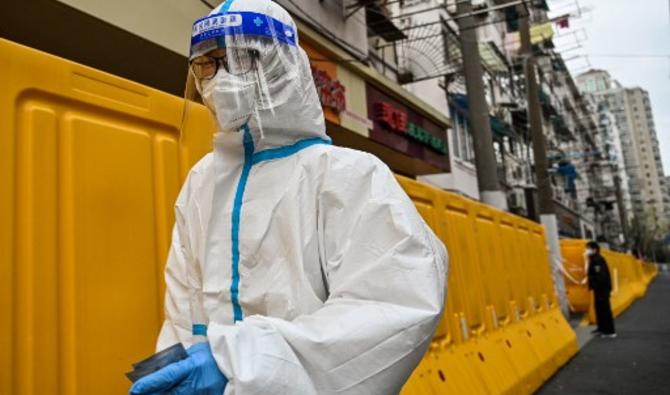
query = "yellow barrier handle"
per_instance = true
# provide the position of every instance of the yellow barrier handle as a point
(445, 342)
(479, 330)
(567, 274)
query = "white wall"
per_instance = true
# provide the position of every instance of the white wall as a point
(330, 14)
(168, 22)
(461, 179)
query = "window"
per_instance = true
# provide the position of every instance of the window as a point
(470, 157)
(590, 86)
(456, 134)
(463, 145)
(455, 143)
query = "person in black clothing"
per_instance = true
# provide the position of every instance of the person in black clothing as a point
(601, 283)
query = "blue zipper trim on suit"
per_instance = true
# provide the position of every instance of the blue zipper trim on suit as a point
(282, 152)
(251, 159)
(199, 330)
(235, 234)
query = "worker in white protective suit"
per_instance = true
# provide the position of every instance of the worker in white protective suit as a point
(296, 267)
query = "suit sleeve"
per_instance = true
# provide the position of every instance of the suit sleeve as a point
(178, 280)
(385, 271)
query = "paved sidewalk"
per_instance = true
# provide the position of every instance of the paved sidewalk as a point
(636, 362)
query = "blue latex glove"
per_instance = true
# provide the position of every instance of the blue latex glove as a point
(196, 375)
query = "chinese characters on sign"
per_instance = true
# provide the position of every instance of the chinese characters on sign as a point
(406, 130)
(397, 120)
(330, 91)
(392, 117)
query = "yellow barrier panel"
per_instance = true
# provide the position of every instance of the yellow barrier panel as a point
(502, 332)
(649, 272)
(445, 351)
(574, 264)
(549, 323)
(528, 298)
(93, 162)
(514, 336)
(629, 278)
(89, 163)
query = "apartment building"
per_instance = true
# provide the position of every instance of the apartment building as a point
(641, 154)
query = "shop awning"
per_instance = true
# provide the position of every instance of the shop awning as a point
(498, 126)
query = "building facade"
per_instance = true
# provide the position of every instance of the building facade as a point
(391, 80)
(365, 105)
(640, 148)
(571, 124)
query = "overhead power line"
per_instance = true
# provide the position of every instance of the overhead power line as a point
(628, 55)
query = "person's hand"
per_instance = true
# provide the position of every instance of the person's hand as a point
(196, 375)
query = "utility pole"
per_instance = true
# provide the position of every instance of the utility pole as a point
(544, 191)
(480, 124)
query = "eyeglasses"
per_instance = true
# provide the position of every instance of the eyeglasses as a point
(236, 61)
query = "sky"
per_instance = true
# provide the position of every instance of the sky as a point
(609, 34)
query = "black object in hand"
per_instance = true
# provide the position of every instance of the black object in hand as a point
(157, 362)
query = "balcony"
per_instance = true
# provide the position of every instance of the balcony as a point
(561, 129)
(605, 194)
(379, 19)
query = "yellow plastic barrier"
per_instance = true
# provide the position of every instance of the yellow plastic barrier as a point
(630, 278)
(502, 331)
(574, 264)
(91, 163)
(649, 272)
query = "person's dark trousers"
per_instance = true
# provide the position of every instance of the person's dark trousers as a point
(604, 317)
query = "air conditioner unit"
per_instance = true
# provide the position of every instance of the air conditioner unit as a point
(517, 198)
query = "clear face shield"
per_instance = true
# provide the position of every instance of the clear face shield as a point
(245, 67)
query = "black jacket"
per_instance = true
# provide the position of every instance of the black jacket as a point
(599, 274)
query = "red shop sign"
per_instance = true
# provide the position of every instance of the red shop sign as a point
(330, 91)
(398, 121)
(406, 130)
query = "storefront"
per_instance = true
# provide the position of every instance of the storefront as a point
(368, 112)
(403, 129)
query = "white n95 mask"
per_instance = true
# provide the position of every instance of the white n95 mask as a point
(247, 67)
(231, 98)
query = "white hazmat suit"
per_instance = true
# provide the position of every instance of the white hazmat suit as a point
(316, 273)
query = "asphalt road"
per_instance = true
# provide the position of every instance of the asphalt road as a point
(636, 362)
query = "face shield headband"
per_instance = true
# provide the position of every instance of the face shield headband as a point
(246, 66)
(211, 32)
